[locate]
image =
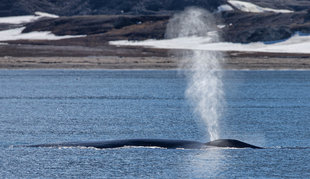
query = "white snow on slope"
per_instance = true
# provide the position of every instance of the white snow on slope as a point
(25, 19)
(296, 44)
(224, 7)
(250, 7)
(44, 14)
(16, 34)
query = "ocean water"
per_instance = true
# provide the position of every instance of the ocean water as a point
(265, 108)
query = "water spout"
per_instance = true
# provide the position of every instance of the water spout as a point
(202, 68)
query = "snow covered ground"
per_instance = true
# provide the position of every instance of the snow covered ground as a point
(224, 7)
(16, 34)
(25, 19)
(296, 44)
(250, 7)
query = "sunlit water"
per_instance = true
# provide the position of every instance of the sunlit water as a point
(265, 108)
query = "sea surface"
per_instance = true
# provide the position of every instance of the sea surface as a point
(265, 108)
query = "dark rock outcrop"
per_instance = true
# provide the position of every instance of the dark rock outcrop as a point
(143, 19)
(239, 26)
(112, 27)
(97, 7)
(295, 5)
(133, 7)
(252, 27)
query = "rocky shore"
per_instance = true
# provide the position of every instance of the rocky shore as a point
(111, 57)
(114, 62)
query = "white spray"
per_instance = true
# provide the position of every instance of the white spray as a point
(203, 68)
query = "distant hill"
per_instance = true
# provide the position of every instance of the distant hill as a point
(295, 5)
(143, 19)
(97, 7)
(134, 7)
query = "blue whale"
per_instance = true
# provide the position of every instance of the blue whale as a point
(162, 143)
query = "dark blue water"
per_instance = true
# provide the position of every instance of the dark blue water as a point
(265, 108)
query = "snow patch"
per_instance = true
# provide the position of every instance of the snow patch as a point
(16, 34)
(44, 14)
(224, 7)
(250, 7)
(296, 44)
(25, 19)
(17, 19)
(221, 26)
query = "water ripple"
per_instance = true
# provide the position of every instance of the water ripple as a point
(89, 98)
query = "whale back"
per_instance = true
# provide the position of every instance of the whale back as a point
(162, 143)
(230, 143)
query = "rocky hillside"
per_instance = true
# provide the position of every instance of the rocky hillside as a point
(104, 20)
(249, 27)
(134, 7)
(295, 5)
(98, 7)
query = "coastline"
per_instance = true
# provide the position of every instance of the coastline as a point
(144, 63)
(21, 55)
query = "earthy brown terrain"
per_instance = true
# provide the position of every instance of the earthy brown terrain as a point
(29, 56)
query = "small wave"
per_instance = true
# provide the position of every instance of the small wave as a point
(89, 97)
(75, 147)
(292, 148)
(116, 148)
(224, 148)
(270, 107)
(141, 147)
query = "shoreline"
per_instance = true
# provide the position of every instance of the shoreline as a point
(101, 69)
(147, 63)
(33, 55)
